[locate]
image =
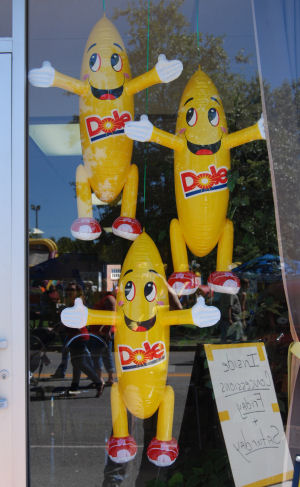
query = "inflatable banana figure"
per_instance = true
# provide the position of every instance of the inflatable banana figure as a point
(142, 322)
(106, 92)
(201, 162)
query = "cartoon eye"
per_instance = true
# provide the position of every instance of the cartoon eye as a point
(129, 291)
(150, 291)
(191, 117)
(116, 62)
(95, 62)
(213, 117)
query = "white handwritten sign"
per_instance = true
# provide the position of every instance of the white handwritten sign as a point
(249, 414)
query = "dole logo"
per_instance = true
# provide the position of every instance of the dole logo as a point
(214, 180)
(139, 358)
(98, 127)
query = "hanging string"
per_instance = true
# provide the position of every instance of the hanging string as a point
(148, 49)
(104, 6)
(198, 35)
(146, 106)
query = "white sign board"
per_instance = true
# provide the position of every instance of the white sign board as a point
(249, 414)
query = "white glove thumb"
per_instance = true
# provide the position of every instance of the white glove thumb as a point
(42, 77)
(204, 316)
(168, 70)
(75, 316)
(140, 131)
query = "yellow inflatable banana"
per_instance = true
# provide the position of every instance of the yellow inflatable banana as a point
(142, 322)
(106, 102)
(201, 163)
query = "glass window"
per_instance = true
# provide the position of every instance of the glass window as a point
(280, 95)
(6, 18)
(154, 257)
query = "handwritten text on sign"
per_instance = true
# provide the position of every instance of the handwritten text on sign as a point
(249, 414)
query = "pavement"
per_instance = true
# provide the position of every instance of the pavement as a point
(68, 434)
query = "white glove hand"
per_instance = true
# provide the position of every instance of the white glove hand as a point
(168, 70)
(261, 126)
(203, 315)
(140, 131)
(42, 77)
(76, 316)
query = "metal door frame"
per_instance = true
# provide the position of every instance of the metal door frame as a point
(13, 445)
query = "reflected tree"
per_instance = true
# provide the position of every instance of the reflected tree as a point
(251, 204)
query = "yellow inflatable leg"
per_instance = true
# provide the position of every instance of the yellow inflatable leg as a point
(165, 416)
(119, 413)
(83, 193)
(130, 191)
(126, 225)
(85, 227)
(178, 248)
(225, 247)
(163, 449)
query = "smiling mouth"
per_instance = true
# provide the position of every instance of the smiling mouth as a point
(140, 325)
(204, 150)
(107, 94)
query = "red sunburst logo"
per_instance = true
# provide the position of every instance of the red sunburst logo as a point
(109, 125)
(139, 357)
(205, 180)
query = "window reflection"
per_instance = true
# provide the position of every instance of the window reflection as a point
(71, 370)
(6, 18)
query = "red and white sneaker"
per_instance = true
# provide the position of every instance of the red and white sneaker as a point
(162, 453)
(224, 282)
(121, 450)
(184, 283)
(126, 227)
(86, 228)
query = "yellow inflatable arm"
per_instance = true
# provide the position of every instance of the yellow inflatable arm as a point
(144, 131)
(242, 136)
(167, 140)
(102, 317)
(200, 315)
(177, 317)
(47, 76)
(163, 72)
(70, 84)
(78, 316)
(142, 82)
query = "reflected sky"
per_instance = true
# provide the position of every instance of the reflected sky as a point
(58, 32)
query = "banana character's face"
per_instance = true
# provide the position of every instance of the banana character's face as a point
(105, 63)
(142, 287)
(201, 117)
